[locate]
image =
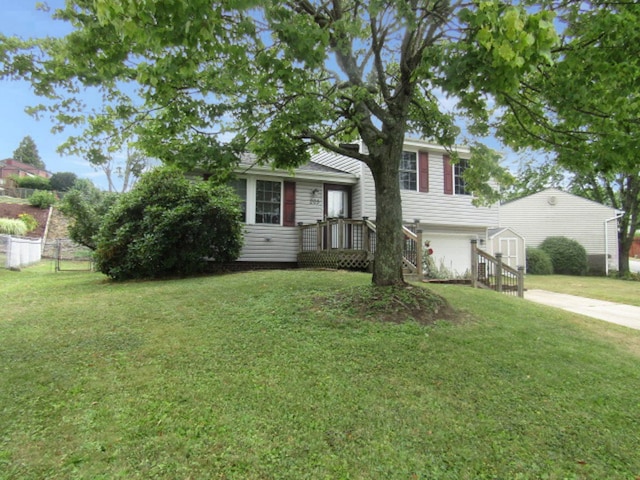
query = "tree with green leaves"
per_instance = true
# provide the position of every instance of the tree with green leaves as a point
(280, 78)
(62, 181)
(585, 108)
(86, 206)
(27, 152)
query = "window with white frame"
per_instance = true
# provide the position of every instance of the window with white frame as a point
(239, 185)
(268, 201)
(409, 171)
(458, 174)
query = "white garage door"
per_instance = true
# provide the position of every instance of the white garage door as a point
(452, 252)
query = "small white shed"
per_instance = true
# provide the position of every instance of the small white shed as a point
(552, 213)
(509, 243)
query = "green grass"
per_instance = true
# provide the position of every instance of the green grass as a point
(602, 288)
(6, 199)
(245, 376)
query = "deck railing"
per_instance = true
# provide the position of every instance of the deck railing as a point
(337, 233)
(351, 242)
(490, 272)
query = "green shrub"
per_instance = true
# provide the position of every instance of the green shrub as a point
(12, 226)
(29, 220)
(86, 206)
(567, 256)
(35, 183)
(168, 226)
(42, 199)
(538, 262)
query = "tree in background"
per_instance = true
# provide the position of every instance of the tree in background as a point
(584, 109)
(27, 152)
(533, 176)
(280, 78)
(86, 206)
(62, 181)
(168, 225)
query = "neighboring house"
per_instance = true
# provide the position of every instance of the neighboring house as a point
(434, 199)
(552, 213)
(10, 167)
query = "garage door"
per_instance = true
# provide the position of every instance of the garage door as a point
(452, 252)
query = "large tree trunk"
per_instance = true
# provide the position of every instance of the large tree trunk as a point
(625, 239)
(385, 164)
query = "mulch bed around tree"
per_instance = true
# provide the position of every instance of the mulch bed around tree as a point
(12, 210)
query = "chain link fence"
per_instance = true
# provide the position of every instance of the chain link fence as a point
(17, 252)
(68, 255)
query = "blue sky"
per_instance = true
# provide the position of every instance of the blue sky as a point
(20, 17)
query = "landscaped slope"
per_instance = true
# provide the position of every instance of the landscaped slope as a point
(257, 376)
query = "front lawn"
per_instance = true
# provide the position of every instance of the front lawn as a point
(257, 376)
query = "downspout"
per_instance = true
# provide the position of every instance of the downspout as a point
(606, 242)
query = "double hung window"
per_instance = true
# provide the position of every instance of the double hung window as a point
(268, 201)
(458, 177)
(409, 171)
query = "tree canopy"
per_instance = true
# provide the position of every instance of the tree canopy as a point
(279, 78)
(62, 181)
(27, 152)
(585, 108)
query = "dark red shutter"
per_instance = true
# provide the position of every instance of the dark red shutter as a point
(423, 171)
(289, 218)
(448, 175)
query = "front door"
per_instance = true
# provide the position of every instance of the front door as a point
(337, 203)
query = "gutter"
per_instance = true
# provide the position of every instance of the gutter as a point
(606, 242)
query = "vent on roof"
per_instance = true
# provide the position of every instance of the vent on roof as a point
(552, 200)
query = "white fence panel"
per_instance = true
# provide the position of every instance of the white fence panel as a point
(21, 251)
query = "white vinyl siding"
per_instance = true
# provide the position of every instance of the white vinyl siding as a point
(434, 206)
(273, 243)
(269, 243)
(553, 212)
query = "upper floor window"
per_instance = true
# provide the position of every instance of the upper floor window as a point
(408, 171)
(458, 180)
(268, 199)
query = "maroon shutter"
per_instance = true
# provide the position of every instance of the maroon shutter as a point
(448, 175)
(289, 218)
(423, 171)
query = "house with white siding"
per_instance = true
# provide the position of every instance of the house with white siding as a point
(279, 205)
(552, 213)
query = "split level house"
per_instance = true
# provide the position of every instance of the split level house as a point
(323, 213)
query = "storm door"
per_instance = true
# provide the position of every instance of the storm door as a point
(337, 203)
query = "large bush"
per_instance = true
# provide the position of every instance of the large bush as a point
(166, 226)
(538, 262)
(35, 183)
(86, 206)
(42, 199)
(567, 256)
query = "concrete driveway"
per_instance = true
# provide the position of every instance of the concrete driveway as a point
(626, 315)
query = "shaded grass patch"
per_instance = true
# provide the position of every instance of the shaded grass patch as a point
(395, 304)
